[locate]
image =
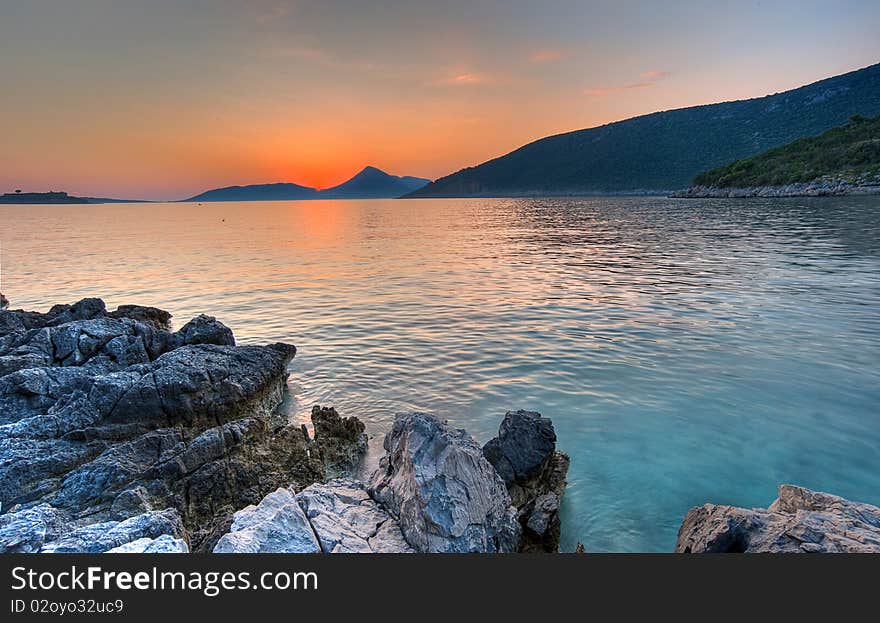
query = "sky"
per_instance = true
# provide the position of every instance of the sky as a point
(162, 99)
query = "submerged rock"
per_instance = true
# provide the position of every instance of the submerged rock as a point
(524, 455)
(443, 492)
(800, 520)
(347, 521)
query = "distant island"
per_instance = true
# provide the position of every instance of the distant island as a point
(664, 151)
(57, 197)
(842, 161)
(49, 197)
(369, 183)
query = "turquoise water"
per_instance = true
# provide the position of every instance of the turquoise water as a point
(687, 351)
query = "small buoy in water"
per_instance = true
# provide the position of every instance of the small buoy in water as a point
(223, 219)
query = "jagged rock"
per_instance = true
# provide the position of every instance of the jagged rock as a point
(108, 416)
(205, 330)
(4, 302)
(101, 537)
(444, 494)
(342, 442)
(800, 520)
(524, 455)
(153, 316)
(522, 451)
(347, 521)
(54, 419)
(25, 531)
(165, 544)
(20, 320)
(276, 525)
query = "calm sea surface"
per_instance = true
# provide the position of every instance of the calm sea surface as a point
(687, 351)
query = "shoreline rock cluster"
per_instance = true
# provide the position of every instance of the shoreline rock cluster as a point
(435, 491)
(119, 434)
(113, 428)
(823, 187)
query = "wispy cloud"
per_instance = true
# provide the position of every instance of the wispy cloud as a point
(323, 58)
(546, 56)
(464, 79)
(649, 79)
(654, 75)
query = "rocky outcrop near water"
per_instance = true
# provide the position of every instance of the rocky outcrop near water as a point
(524, 455)
(118, 434)
(435, 491)
(799, 521)
(447, 498)
(115, 429)
(823, 187)
(338, 517)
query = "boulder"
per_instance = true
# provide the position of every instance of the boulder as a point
(205, 330)
(445, 495)
(799, 521)
(524, 455)
(347, 521)
(342, 442)
(276, 525)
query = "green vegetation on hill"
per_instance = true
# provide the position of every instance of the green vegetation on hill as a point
(665, 150)
(847, 152)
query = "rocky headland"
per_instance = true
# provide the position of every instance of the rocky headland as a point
(119, 434)
(824, 187)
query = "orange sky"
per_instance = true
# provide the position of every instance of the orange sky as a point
(157, 100)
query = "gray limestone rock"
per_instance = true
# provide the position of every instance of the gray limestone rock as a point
(276, 525)
(444, 494)
(347, 521)
(165, 544)
(799, 521)
(100, 537)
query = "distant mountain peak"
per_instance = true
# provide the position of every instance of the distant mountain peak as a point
(369, 183)
(374, 183)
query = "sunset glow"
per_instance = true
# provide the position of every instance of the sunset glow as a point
(162, 104)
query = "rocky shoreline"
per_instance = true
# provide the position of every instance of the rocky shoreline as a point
(118, 434)
(826, 187)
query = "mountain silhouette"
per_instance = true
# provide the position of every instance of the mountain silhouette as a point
(370, 183)
(373, 183)
(258, 192)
